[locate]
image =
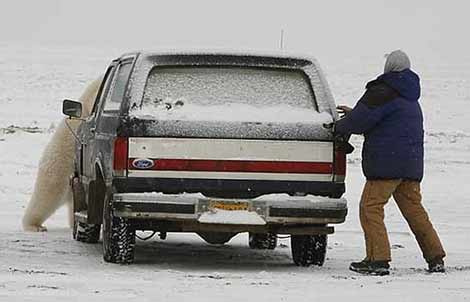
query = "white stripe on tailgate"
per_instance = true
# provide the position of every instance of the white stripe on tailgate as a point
(230, 175)
(230, 149)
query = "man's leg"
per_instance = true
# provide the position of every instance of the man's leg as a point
(408, 198)
(374, 197)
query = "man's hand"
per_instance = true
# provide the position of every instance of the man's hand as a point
(343, 110)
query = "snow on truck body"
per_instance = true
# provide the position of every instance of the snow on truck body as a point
(228, 143)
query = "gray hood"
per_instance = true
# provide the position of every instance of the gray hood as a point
(397, 61)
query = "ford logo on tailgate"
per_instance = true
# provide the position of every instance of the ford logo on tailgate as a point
(143, 163)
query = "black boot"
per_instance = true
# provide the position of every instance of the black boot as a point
(376, 268)
(436, 266)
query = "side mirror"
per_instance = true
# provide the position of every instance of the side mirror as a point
(72, 109)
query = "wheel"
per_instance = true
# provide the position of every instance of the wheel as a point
(266, 241)
(118, 237)
(309, 249)
(84, 232)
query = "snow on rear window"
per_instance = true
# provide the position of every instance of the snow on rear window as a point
(228, 94)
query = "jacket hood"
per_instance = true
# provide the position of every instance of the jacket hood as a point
(405, 82)
(397, 61)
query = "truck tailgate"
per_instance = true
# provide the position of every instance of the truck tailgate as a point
(230, 159)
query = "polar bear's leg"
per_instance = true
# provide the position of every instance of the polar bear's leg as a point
(47, 197)
(52, 181)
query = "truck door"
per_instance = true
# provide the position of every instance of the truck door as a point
(107, 118)
(88, 129)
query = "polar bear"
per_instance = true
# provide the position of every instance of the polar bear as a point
(52, 189)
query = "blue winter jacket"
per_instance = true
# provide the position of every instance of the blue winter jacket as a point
(390, 118)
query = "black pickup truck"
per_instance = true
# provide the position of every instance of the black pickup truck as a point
(211, 143)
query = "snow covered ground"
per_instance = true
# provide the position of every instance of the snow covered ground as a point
(52, 267)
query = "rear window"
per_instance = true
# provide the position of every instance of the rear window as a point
(227, 93)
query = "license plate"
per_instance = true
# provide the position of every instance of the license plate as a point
(229, 206)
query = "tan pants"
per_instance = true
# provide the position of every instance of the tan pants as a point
(408, 197)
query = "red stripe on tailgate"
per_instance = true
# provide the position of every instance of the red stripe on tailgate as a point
(239, 166)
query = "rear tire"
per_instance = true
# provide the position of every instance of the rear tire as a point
(118, 237)
(266, 241)
(309, 249)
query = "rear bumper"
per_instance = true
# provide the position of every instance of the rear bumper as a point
(267, 210)
(219, 187)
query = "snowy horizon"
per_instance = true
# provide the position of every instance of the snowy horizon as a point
(326, 28)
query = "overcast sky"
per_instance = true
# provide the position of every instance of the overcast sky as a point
(314, 27)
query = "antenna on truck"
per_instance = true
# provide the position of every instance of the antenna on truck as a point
(281, 42)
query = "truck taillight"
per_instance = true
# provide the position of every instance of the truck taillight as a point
(120, 156)
(340, 165)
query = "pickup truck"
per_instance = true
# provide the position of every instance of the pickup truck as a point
(212, 143)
